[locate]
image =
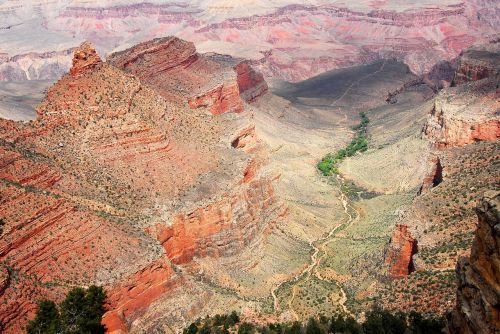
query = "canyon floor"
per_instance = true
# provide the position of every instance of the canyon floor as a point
(322, 258)
(207, 203)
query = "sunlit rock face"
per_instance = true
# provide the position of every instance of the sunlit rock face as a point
(286, 39)
(121, 178)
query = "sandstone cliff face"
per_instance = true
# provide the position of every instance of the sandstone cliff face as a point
(401, 248)
(221, 99)
(174, 68)
(478, 295)
(129, 299)
(118, 179)
(465, 114)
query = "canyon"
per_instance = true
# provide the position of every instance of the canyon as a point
(185, 182)
(276, 37)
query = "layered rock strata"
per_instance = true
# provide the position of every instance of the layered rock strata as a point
(119, 179)
(290, 40)
(479, 62)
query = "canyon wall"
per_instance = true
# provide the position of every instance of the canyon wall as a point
(433, 177)
(478, 296)
(291, 41)
(479, 62)
(119, 179)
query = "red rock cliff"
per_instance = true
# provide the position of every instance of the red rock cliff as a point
(479, 62)
(398, 257)
(176, 71)
(434, 175)
(85, 188)
(478, 294)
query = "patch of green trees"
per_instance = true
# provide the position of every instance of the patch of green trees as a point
(328, 165)
(79, 313)
(377, 321)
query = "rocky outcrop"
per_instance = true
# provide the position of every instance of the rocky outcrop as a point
(222, 99)
(148, 59)
(478, 294)
(479, 62)
(398, 257)
(251, 83)
(464, 114)
(433, 177)
(223, 227)
(128, 300)
(173, 67)
(85, 59)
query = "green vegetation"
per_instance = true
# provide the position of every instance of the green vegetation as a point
(378, 321)
(79, 313)
(328, 165)
(218, 324)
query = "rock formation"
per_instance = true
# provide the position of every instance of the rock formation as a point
(434, 175)
(251, 83)
(119, 179)
(468, 112)
(478, 296)
(398, 256)
(221, 99)
(204, 83)
(85, 59)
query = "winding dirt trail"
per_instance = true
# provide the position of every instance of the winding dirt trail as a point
(318, 246)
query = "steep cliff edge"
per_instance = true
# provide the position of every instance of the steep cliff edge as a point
(478, 296)
(250, 82)
(468, 112)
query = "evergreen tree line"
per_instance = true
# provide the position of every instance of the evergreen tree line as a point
(79, 313)
(378, 321)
